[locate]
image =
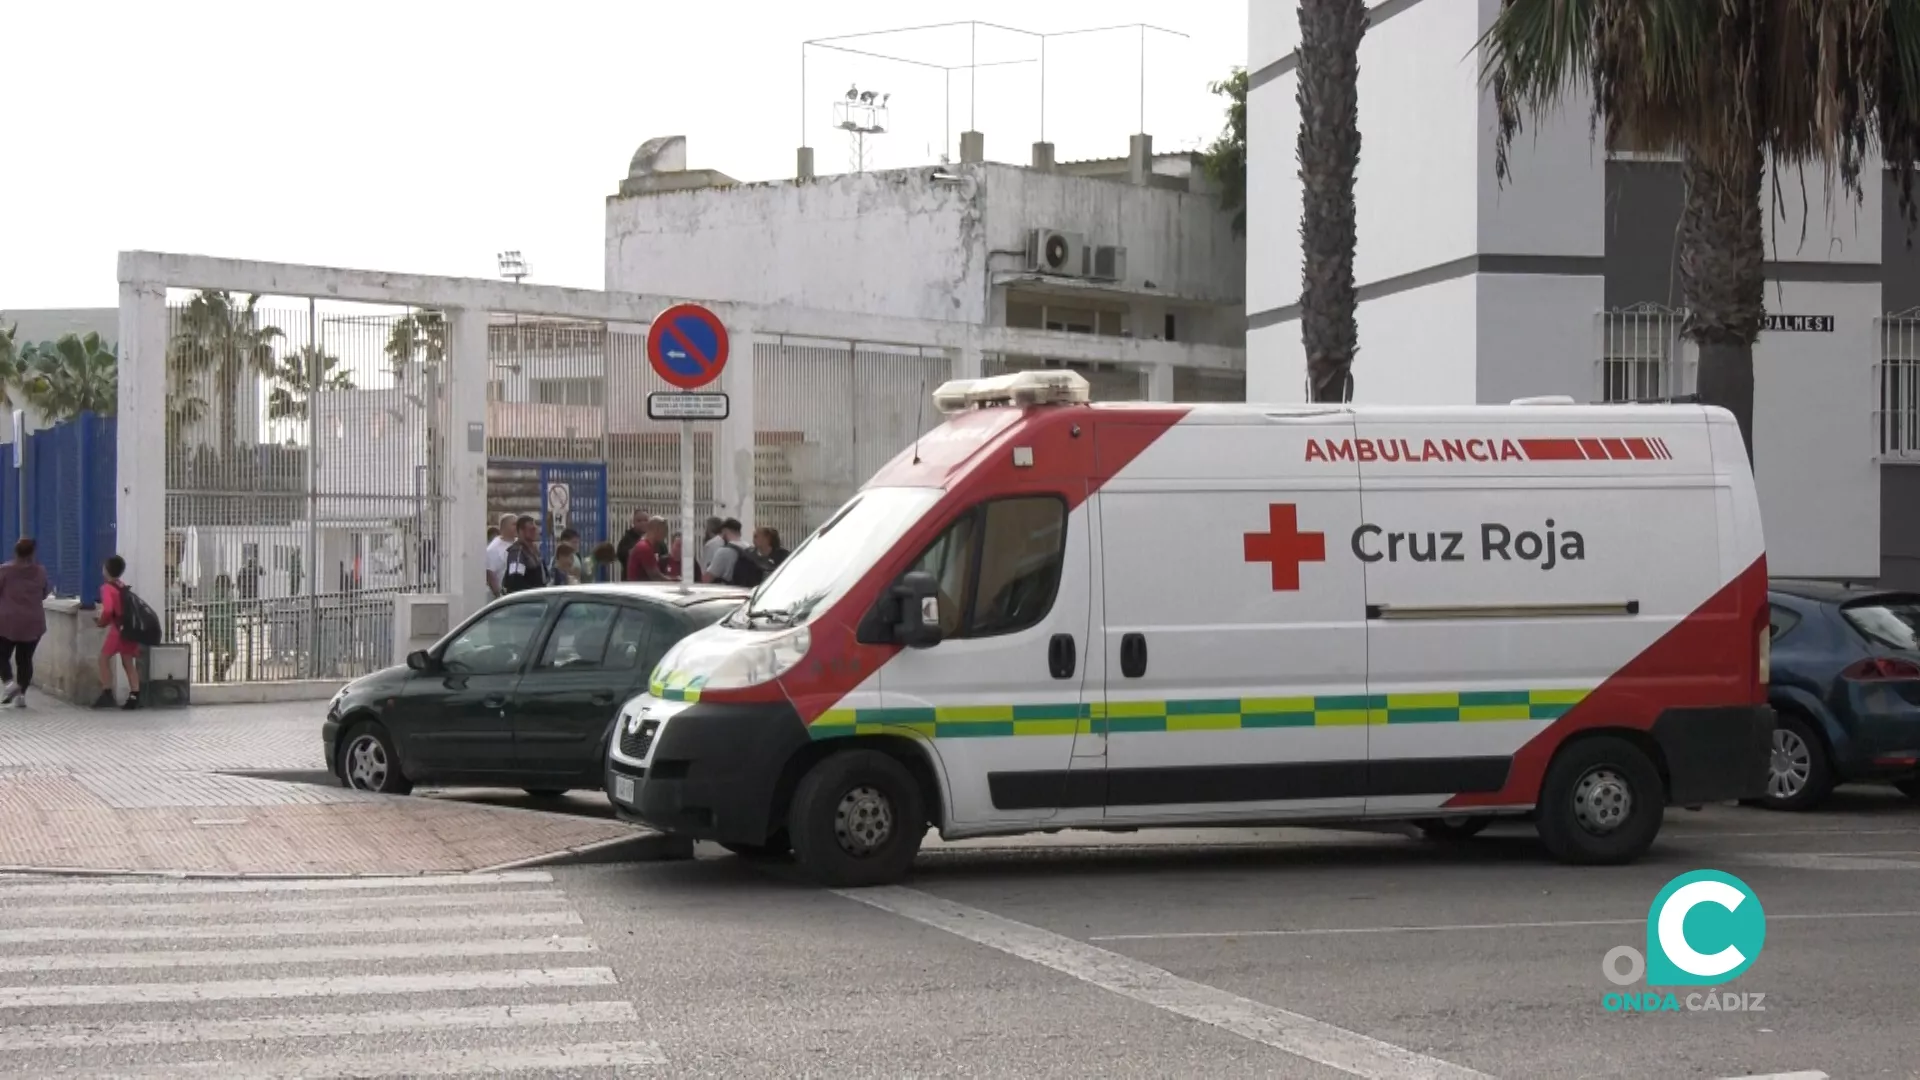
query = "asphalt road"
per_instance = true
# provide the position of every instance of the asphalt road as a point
(1284, 953)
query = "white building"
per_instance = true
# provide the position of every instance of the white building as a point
(1092, 257)
(1562, 282)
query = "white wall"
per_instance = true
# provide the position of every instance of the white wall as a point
(1276, 364)
(1813, 436)
(1537, 335)
(882, 243)
(1555, 202)
(1837, 229)
(1273, 197)
(1180, 241)
(1418, 347)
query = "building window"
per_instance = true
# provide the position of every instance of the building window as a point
(1900, 385)
(1639, 345)
(1169, 333)
(567, 392)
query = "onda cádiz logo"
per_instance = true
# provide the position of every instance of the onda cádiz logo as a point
(1705, 928)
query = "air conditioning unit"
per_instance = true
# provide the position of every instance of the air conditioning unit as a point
(1050, 251)
(1108, 263)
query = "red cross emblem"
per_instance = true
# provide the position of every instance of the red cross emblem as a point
(1285, 546)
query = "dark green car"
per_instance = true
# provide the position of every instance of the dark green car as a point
(524, 694)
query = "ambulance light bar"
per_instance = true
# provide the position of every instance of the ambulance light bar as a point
(1020, 389)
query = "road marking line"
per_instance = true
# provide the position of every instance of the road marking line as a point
(490, 1061)
(27, 935)
(323, 1025)
(1567, 923)
(33, 997)
(1291, 1032)
(141, 887)
(305, 954)
(1810, 1074)
(227, 908)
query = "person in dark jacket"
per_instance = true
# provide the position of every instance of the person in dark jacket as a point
(635, 533)
(23, 620)
(524, 569)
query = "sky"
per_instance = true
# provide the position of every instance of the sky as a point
(425, 136)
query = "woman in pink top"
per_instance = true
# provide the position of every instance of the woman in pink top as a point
(23, 620)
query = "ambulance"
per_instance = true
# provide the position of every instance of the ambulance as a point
(1048, 614)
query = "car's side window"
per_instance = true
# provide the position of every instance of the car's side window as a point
(579, 638)
(640, 639)
(998, 566)
(1781, 621)
(498, 644)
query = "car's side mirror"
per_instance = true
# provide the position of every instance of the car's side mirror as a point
(420, 660)
(917, 619)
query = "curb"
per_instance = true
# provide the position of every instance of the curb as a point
(642, 847)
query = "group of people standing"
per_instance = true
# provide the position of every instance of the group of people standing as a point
(24, 589)
(647, 551)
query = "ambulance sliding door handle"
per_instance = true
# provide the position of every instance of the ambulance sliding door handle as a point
(1133, 655)
(1061, 660)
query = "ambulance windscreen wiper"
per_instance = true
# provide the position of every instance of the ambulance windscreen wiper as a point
(782, 616)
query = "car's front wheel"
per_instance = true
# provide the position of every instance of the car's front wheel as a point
(1799, 774)
(857, 818)
(368, 761)
(1602, 802)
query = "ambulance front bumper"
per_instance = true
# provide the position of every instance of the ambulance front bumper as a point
(709, 771)
(1716, 754)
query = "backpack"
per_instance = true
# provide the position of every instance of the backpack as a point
(748, 569)
(138, 623)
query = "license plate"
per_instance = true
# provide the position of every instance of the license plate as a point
(623, 788)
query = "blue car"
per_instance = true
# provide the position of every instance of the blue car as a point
(1846, 686)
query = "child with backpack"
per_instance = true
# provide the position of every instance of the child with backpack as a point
(130, 624)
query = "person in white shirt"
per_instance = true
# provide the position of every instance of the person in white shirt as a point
(725, 554)
(712, 544)
(497, 552)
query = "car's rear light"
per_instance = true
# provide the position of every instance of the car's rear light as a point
(1882, 669)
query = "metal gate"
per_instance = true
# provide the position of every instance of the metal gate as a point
(1897, 412)
(302, 484)
(567, 494)
(1640, 354)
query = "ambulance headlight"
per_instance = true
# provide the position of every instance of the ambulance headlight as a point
(696, 664)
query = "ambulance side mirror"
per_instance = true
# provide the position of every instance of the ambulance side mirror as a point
(917, 600)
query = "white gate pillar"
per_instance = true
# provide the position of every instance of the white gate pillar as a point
(463, 480)
(140, 457)
(733, 445)
(1160, 382)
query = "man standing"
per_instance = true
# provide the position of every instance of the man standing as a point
(643, 564)
(524, 569)
(635, 533)
(726, 566)
(711, 542)
(497, 554)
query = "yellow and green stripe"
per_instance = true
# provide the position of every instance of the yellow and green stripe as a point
(1200, 714)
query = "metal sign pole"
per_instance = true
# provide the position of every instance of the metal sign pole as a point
(689, 547)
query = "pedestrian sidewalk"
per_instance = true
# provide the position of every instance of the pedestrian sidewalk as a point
(149, 791)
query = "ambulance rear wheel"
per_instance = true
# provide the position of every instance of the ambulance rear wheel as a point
(1602, 802)
(1447, 830)
(857, 819)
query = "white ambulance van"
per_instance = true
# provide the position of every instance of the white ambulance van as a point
(1053, 615)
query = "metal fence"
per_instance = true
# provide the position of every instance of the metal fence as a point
(62, 495)
(1897, 415)
(827, 415)
(304, 454)
(1640, 354)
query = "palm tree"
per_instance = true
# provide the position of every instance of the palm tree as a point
(9, 365)
(1328, 92)
(223, 340)
(74, 375)
(418, 336)
(1730, 85)
(297, 377)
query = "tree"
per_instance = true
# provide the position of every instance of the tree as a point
(416, 337)
(1730, 85)
(1225, 160)
(297, 377)
(1328, 92)
(227, 342)
(9, 364)
(76, 374)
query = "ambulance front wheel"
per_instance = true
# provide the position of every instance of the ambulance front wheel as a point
(857, 819)
(1602, 802)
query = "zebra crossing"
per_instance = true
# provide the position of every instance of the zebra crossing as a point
(476, 974)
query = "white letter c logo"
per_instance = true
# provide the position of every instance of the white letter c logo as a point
(1673, 936)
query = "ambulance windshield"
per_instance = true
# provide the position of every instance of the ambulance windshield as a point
(830, 561)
